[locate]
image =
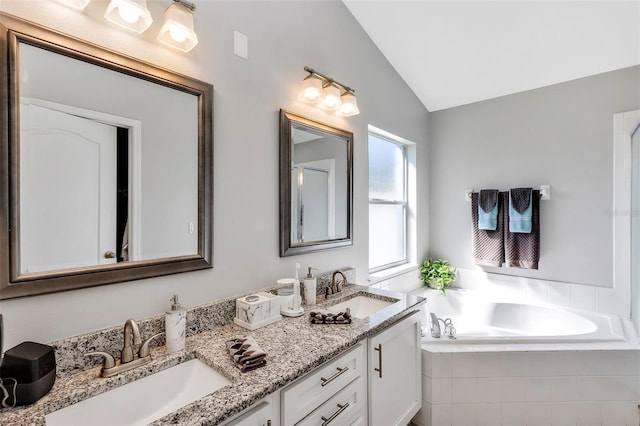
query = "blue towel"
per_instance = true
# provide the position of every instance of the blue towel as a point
(488, 209)
(520, 210)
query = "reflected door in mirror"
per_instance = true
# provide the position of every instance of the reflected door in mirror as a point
(68, 191)
(313, 219)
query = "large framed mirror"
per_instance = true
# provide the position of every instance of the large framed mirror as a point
(316, 188)
(106, 165)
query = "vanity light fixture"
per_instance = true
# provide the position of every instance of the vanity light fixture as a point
(177, 29)
(325, 92)
(76, 4)
(130, 14)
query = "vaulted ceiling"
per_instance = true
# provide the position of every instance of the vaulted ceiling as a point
(452, 53)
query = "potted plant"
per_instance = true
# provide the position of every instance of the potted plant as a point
(437, 274)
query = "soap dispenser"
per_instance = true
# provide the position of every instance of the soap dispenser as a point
(175, 325)
(310, 288)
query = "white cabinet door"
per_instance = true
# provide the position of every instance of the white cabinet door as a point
(395, 372)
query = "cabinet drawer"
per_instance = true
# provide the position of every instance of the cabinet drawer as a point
(302, 397)
(259, 415)
(347, 407)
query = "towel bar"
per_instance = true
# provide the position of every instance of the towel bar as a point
(545, 193)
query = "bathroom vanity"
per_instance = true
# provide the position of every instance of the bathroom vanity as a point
(315, 374)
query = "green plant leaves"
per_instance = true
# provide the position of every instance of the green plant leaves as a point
(438, 272)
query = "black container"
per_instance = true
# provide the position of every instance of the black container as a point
(33, 366)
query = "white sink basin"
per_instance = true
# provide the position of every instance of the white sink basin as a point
(145, 400)
(361, 306)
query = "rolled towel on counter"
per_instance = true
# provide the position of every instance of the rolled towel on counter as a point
(488, 209)
(520, 210)
(327, 317)
(246, 354)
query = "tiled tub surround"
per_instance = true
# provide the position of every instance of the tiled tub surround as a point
(532, 388)
(293, 345)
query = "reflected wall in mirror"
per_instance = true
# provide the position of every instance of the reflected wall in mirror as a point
(109, 166)
(315, 186)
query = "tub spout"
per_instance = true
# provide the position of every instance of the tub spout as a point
(435, 326)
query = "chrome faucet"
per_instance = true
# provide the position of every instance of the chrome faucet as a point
(134, 353)
(335, 288)
(449, 330)
(435, 326)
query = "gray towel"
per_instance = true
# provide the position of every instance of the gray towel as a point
(246, 354)
(520, 199)
(522, 250)
(488, 246)
(488, 199)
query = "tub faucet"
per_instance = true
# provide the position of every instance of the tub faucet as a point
(435, 326)
(336, 287)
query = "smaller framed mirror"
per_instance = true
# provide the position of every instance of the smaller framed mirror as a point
(316, 188)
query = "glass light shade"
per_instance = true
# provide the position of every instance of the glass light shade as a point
(331, 99)
(130, 14)
(311, 88)
(177, 29)
(349, 104)
(76, 4)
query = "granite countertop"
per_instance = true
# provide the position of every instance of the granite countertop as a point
(294, 347)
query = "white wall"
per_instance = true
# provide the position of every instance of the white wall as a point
(560, 135)
(283, 37)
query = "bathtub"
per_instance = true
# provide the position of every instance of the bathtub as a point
(479, 318)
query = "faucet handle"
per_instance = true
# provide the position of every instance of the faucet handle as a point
(144, 349)
(108, 360)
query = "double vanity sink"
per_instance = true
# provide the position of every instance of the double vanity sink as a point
(200, 385)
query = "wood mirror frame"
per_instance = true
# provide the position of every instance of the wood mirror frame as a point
(13, 284)
(287, 248)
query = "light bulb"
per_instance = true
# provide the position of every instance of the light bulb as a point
(178, 34)
(331, 101)
(347, 108)
(331, 97)
(177, 29)
(311, 93)
(311, 88)
(349, 104)
(128, 14)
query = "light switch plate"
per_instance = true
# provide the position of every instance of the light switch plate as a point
(240, 45)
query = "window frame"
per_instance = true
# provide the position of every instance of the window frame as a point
(404, 203)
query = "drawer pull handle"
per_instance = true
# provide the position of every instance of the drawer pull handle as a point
(379, 369)
(341, 408)
(325, 382)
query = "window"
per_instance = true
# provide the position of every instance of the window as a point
(388, 202)
(626, 215)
